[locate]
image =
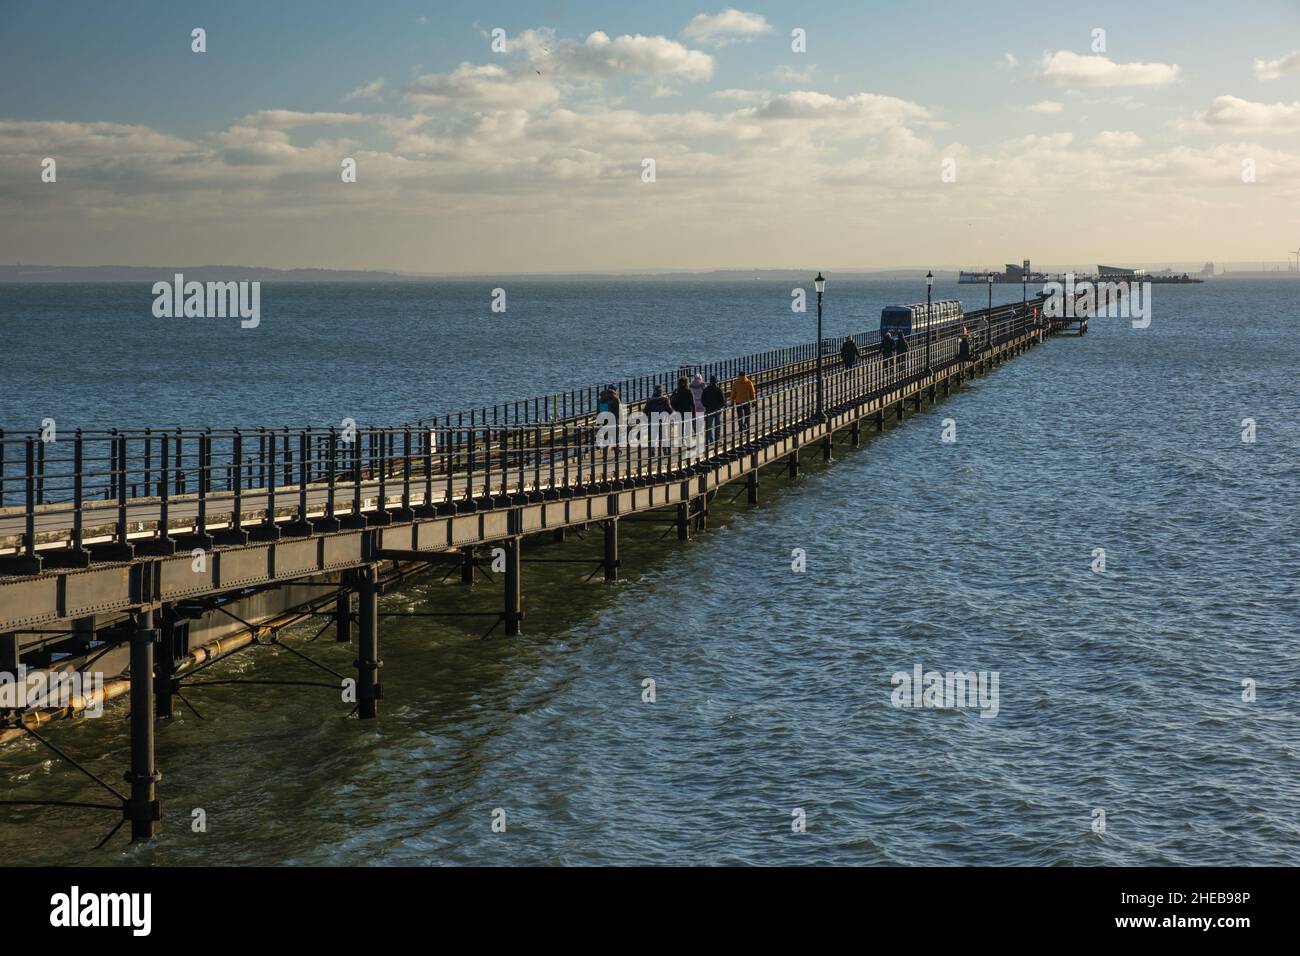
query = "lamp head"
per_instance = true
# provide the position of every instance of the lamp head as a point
(819, 283)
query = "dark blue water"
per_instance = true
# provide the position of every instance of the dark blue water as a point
(1119, 692)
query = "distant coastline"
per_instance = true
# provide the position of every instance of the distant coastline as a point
(51, 274)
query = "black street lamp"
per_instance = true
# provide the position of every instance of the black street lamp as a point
(820, 285)
(929, 322)
(990, 278)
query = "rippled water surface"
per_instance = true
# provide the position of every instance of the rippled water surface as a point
(1119, 692)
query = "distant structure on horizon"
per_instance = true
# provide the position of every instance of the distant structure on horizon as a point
(1024, 273)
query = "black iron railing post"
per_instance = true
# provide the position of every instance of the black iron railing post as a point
(78, 491)
(237, 483)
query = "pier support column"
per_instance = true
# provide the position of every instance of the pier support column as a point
(514, 589)
(826, 447)
(855, 433)
(932, 392)
(467, 565)
(683, 521)
(794, 463)
(165, 684)
(916, 401)
(368, 662)
(880, 420)
(701, 513)
(560, 535)
(900, 411)
(143, 809)
(751, 487)
(611, 549)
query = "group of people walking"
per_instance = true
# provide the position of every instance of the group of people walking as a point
(692, 397)
(892, 343)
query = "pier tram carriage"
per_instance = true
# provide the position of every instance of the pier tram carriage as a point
(944, 317)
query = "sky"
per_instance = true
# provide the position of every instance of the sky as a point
(515, 137)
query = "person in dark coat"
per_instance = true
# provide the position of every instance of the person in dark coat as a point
(658, 405)
(714, 400)
(683, 402)
(849, 352)
(609, 401)
(963, 346)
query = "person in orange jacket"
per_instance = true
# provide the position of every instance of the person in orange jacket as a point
(743, 394)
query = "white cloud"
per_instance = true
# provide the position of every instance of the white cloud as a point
(1113, 139)
(368, 91)
(788, 74)
(1288, 65)
(289, 119)
(543, 67)
(472, 87)
(601, 57)
(729, 26)
(742, 96)
(861, 112)
(1071, 69)
(1235, 112)
(26, 138)
(1008, 61)
(1047, 106)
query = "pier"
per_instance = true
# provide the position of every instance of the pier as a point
(149, 554)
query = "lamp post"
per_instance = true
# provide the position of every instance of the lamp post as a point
(819, 284)
(929, 322)
(990, 315)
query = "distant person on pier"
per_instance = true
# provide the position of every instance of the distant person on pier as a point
(610, 402)
(697, 393)
(658, 404)
(849, 352)
(887, 349)
(743, 393)
(963, 345)
(714, 401)
(900, 346)
(682, 401)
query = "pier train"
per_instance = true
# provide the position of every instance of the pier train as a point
(944, 316)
